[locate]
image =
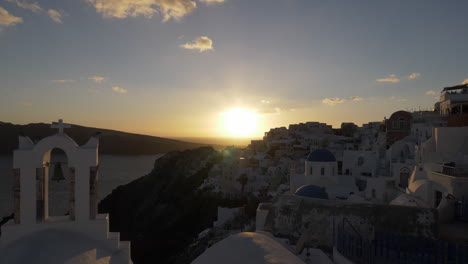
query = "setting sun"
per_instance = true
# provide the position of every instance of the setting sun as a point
(239, 122)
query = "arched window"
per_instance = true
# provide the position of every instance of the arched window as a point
(403, 123)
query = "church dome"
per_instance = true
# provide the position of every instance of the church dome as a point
(321, 155)
(311, 191)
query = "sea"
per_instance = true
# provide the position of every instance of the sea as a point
(113, 171)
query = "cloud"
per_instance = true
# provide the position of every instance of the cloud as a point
(413, 76)
(201, 44)
(265, 102)
(97, 79)
(174, 9)
(392, 79)
(211, 1)
(431, 92)
(34, 7)
(398, 99)
(7, 19)
(118, 89)
(356, 98)
(25, 104)
(273, 110)
(55, 15)
(333, 101)
(465, 81)
(62, 81)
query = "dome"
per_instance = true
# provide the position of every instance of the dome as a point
(311, 191)
(53, 246)
(321, 155)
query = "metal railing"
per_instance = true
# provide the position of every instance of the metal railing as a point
(450, 170)
(394, 248)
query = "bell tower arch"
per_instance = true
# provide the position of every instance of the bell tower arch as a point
(32, 164)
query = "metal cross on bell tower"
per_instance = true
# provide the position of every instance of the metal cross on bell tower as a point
(60, 125)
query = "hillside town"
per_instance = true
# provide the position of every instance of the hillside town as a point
(387, 192)
(394, 191)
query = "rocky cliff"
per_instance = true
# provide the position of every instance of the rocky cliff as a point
(163, 212)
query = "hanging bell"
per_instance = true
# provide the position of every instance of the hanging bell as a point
(58, 173)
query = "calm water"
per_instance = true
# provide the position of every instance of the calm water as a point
(113, 171)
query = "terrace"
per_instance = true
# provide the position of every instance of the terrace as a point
(455, 93)
(451, 170)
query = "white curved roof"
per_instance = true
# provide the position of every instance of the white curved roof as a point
(408, 200)
(52, 246)
(416, 185)
(247, 248)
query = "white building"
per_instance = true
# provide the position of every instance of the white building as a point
(321, 169)
(83, 235)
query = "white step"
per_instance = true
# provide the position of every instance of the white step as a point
(113, 240)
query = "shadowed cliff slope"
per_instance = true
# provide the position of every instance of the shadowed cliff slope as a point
(162, 211)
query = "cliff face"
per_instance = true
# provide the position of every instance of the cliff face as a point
(163, 211)
(111, 142)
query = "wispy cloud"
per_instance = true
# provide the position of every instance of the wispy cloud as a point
(413, 76)
(398, 99)
(7, 19)
(273, 110)
(211, 1)
(356, 98)
(34, 7)
(25, 104)
(431, 92)
(465, 81)
(392, 78)
(201, 44)
(62, 81)
(120, 90)
(169, 9)
(55, 15)
(333, 101)
(97, 79)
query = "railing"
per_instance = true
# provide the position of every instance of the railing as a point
(450, 170)
(394, 248)
(453, 96)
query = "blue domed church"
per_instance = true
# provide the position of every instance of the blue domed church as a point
(320, 165)
(320, 178)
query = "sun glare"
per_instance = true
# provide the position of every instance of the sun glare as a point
(240, 122)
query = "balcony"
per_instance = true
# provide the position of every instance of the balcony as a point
(452, 171)
(453, 96)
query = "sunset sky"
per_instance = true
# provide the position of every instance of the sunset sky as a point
(174, 68)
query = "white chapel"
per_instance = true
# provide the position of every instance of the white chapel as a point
(80, 236)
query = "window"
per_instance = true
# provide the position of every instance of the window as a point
(373, 193)
(311, 170)
(438, 198)
(360, 161)
(322, 171)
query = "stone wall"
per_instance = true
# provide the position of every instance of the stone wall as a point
(311, 219)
